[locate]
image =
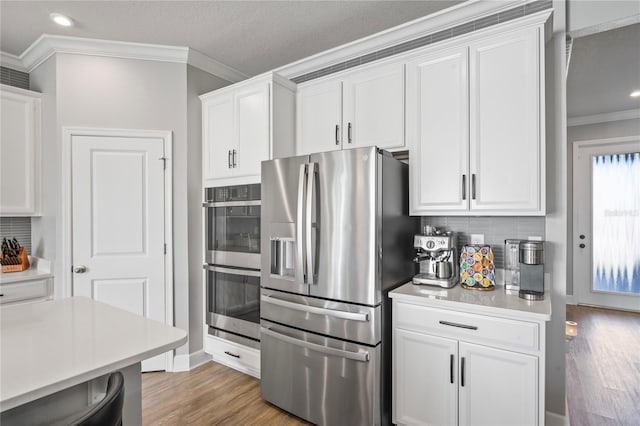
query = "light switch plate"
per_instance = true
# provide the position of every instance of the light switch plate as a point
(477, 238)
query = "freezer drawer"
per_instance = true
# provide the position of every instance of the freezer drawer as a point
(323, 380)
(342, 320)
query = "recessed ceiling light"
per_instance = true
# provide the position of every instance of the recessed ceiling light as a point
(635, 93)
(60, 19)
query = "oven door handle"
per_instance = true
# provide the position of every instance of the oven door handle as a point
(354, 316)
(362, 356)
(232, 271)
(231, 203)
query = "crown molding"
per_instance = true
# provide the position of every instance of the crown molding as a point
(11, 61)
(605, 26)
(446, 18)
(47, 45)
(583, 120)
(205, 63)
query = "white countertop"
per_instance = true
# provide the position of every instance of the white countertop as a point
(39, 269)
(53, 345)
(498, 302)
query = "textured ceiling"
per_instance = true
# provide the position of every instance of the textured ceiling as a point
(250, 36)
(604, 69)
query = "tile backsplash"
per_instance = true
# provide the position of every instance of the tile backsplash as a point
(18, 227)
(495, 229)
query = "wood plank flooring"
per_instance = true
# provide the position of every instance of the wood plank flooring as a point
(603, 367)
(211, 394)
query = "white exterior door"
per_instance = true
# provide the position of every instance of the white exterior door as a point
(425, 379)
(118, 225)
(606, 222)
(374, 107)
(505, 132)
(497, 387)
(437, 132)
(319, 117)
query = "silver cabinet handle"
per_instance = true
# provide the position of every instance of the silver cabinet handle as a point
(455, 324)
(308, 210)
(80, 269)
(241, 272)
(337, 134)
(229, 159)
(300, 217)
(349, 133)
(362, 356)
(234, 159)
(473, 186)
(354, 316)
(464, 187)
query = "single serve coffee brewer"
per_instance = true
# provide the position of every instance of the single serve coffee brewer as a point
(531, 266)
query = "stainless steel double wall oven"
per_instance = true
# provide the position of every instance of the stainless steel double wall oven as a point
(232, 255)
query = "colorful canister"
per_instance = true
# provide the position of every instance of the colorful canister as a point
(477, 270)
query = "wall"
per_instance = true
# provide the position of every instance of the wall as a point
(611, 129)
(556, 219)
(582, 14)
(198, 82)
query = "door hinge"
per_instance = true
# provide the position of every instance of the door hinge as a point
(164, 162)
(165, 248)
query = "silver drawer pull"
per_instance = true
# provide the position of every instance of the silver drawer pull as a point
(355, 316)
(361, 356)
(455, 324)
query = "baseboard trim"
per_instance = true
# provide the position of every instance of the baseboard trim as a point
(554, 419)
(191, 361)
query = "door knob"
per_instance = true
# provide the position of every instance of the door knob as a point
(80, 269)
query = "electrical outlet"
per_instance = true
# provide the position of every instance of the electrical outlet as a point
(477, 238)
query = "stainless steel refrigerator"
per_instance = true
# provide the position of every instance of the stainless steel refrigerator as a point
(335, 238)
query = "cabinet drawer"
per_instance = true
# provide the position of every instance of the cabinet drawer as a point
(480, 329)
(239, 357)
(25, 290)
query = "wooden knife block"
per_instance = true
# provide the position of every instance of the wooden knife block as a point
(24, 263)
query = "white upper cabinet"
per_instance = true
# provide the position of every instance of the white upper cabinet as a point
(20, 152)
(506, 139)
(359, 108)
(437, 130)
(241, 123)
(475, 126)
(319, 117)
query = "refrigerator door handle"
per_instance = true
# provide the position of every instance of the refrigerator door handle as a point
(362, 356)
(354, 316)
(300, 217)
(308, 210)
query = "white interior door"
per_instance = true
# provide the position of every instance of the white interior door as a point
(118, 224)
(606, 222)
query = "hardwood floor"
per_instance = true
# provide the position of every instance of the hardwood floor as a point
(603, 367)
(211, 394)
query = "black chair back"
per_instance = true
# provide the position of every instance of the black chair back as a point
(107, 412)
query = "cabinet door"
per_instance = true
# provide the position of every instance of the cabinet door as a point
(437, 132)
(251, 129)
(425, 382)
(497, 387)
(217, 137)
(319, 117)
(19, 153)
(507, 152)
(373, 103)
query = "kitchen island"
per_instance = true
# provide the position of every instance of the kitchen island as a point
(56, 355)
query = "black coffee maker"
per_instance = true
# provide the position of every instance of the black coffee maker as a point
(531, 270)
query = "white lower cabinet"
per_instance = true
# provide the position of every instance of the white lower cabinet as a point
(452, 378)
(26, 291)
(234, 355)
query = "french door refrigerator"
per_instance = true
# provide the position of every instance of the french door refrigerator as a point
(335, 238)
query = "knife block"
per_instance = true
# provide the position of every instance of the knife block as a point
(24, 263)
